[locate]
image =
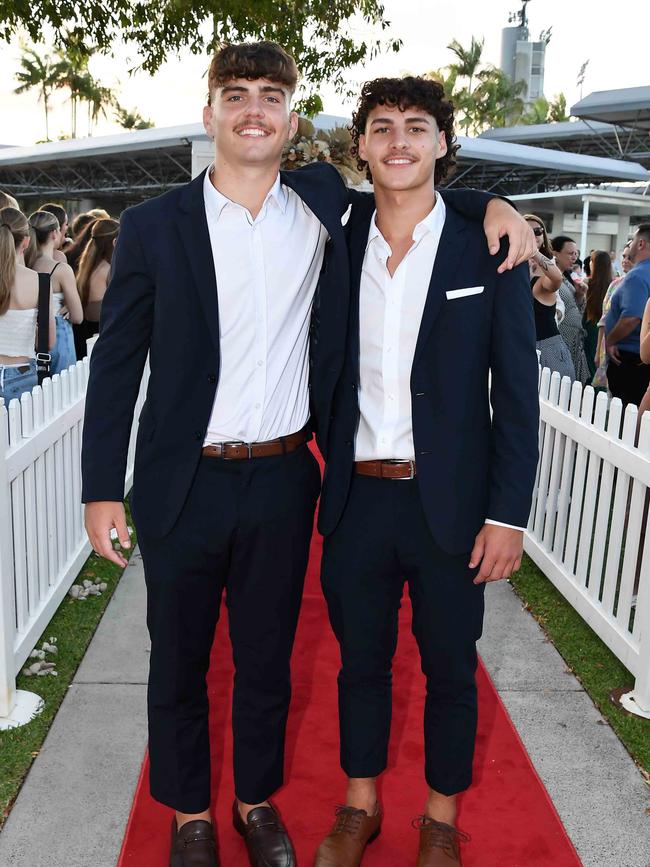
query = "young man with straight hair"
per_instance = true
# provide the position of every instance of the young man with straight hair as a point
(423, 483)
(215, 281)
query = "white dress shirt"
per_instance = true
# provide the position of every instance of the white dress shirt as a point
(390, 313)
(266, 270)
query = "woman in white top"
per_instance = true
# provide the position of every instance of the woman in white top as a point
(18, 308)
(40, 256)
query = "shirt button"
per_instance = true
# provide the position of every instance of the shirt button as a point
(258, 405)
(260, 363)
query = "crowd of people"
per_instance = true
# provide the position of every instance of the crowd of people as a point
(78, 269)
(592, 317)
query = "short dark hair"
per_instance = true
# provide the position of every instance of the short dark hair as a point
(252, 60)
(58, 211)
(408, 92)
(558, 242)
(644, 230)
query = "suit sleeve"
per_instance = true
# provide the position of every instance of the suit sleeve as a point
(116, 366)
(471, 204)
(515, 401)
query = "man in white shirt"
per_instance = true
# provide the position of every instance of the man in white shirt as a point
(423, 484)
(215, 282)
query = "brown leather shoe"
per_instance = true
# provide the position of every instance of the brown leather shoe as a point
(266, 838)
(346, 842)
(194, 845)
(439, 843)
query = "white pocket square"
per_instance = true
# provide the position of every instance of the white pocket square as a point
(463, 293)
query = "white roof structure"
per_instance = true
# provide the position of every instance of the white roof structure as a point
(132, 166)
(628, 107)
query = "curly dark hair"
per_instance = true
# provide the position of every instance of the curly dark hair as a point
(252, 60)
(408, 92)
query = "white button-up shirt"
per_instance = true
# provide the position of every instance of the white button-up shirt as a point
(390, 314)
(267, 270)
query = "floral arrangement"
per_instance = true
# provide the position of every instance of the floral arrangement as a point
(331, 146)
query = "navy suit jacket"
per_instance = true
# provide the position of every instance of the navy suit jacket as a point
(471, 465)
(163, 300)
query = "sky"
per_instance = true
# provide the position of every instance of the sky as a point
(615, 45)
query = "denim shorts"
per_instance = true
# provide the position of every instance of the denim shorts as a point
(13, 382)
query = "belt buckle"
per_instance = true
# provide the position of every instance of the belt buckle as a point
(411, 474)
(249, 447)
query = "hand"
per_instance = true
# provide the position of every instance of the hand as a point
(613, 353)
(498, 551)
(100, 518)
(64, 312)
(502, 219)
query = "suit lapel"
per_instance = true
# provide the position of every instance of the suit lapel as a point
(193, 228)
(358, 227)
(443, 277)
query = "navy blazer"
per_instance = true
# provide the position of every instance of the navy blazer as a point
(162, 300)
(471, 465)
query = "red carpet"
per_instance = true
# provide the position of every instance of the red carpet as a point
(508, 812)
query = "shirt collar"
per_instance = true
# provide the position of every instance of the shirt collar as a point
(215, 201)
(432, 224)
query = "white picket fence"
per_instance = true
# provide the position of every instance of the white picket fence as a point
(589, 530)
(43, 543)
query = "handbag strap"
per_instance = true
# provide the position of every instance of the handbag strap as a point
(43, 357)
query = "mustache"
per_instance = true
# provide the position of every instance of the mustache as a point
(254, 124)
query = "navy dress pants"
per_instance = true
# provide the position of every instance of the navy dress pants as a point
(245, 529)
(382, 542)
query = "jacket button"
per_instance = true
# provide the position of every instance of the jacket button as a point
(212, 378)
(198, 436)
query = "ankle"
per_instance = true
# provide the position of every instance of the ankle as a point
(362, 795)
(441, 808)
(184, 818)
(245, 809)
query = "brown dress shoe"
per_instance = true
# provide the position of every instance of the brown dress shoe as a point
(345, 844)
(439, 843)
(194, 845)
(266, 838)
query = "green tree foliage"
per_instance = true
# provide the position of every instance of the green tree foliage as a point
(485, 97)
(317, 32)
(131, 119)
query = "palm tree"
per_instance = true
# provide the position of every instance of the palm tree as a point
(557, 112)
(469, 59)
(497, 99)
(131, 119)
(98, 98)
(537, 112)
(41, 73)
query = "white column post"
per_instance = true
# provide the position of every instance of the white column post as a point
(585, 220)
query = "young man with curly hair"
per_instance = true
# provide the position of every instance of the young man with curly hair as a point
(215, 282)
(423, 484)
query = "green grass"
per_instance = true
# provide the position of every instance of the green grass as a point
(595, 666)
(73, 624)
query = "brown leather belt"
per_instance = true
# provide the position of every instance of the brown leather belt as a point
(236, 451)
(386, 469)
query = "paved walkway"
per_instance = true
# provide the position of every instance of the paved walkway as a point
(74, 805)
